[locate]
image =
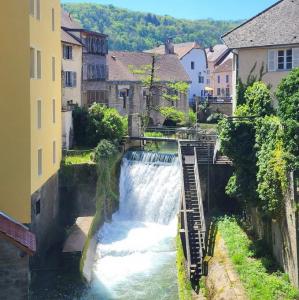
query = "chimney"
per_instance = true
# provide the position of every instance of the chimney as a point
(211, 49)
(169, 47)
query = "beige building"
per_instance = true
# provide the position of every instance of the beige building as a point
(219, 79)
(268, 42)
(71, 50)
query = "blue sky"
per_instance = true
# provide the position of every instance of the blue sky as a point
(193, 9)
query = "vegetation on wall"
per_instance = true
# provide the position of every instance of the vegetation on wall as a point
(136, 31)
(257, 281)
(264, 148)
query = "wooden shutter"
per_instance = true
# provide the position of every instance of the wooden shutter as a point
(272, 60)
(74, 79)
(295, 57)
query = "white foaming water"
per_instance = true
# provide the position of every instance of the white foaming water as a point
(136, 251)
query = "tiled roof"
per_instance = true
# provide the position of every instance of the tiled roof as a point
(218, 51)
(169, 67)
(17, 233)
(67, 38)
(277, 25)
(68, 22)
(226, 66)
(180, 49)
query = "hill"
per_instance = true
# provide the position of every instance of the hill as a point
(136, 31)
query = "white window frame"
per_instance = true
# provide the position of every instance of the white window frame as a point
(273, 59)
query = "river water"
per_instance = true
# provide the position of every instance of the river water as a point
(136, 253)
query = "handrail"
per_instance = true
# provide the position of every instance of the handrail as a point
(199, 195)
(185, 212)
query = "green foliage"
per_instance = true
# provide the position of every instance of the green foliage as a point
(185, 288)
(272, 166)
(214, 118)
(257, 282)
(287, 94)
(238, 143)
(258, 99)
(171, 113)
(191, 118)
(97, 123)
(104, 150)
(78, 157)
(135, 31)
(153, 134)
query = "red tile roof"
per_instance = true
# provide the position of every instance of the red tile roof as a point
(17, 233)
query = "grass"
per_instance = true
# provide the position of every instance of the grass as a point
(153, 134)
(185, 288)
(258, 283)
(75, 157)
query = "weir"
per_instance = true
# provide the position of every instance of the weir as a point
(136, 252)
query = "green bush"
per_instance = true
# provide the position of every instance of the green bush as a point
(258, 99)
(172, 114)
(287, 94)
(104, 150)
(97, 123)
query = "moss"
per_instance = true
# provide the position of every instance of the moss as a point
(107, 195)
(184, 285)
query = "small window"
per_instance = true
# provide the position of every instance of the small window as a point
(39, 114)
(38, 9)
(218, 79)
(227, 92)
(32, 63)
(54, 153)
(39, 64)
(218, 91)
(289, 59)
(67, 52)
(227, 78)
(70, 79)
(37, 207)
(280, 59)
(53, 68)
(53, 19)
(192, 65)
(39, 162)
(54, 111)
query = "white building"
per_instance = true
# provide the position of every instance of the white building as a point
(194, 60)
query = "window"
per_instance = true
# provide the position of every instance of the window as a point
(284, 59)
(67, 52)
(218, 79)
(201, 79)
(227, 78)
(192, 65)
(38, 64)
(53, 19)
(54, 153)
(97, 96)
(32, 63)
(32, 7)
(53, 111)
(53, 68)
(39, 114)
(218, 91)
(39, 162)
(96, 72)
(38, 9)
(208, 81)
(70, 79)
(37, 207)
(227, 92)
(96, 45)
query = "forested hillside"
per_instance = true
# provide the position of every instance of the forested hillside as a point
(131, 31)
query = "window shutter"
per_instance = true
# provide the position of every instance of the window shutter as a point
(74, 79)
(71, 52)
(272, 54)
(295, 57)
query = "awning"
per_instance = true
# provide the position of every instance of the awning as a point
(208, 89)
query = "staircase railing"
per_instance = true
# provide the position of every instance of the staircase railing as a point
(183, 199)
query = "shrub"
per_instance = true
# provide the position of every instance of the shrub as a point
(104, 150)
(215, 118)
(172, 114)
(287, 94)
(258, 99)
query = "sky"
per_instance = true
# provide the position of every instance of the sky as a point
(192, 9)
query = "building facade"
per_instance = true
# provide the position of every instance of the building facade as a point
(267, 43)
(31, 80)
(194, 61)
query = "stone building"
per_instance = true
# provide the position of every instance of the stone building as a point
(125, 90)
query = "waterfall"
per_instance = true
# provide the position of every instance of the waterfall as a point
(136, 251)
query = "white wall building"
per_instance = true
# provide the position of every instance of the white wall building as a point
(194, 60)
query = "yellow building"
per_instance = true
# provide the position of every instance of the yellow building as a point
(30, 94)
